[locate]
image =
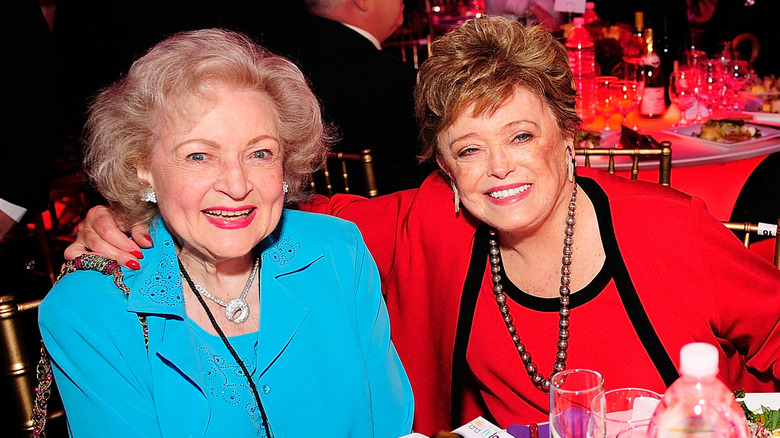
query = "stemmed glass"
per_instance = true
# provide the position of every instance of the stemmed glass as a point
(682, 91)
(605, 98)
(711, 87)
(627, 96)
(736, 76)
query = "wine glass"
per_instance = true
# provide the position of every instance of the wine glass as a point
(626, 97)
(682, 91)
(711, 87)
(605, 98)
(737, 74)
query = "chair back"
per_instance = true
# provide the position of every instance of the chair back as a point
(18, 371)
(759, 229)
(663, 154)
(338, 174)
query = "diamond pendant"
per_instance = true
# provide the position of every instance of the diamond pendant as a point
(237, 310)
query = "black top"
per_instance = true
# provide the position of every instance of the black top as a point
(368, 95)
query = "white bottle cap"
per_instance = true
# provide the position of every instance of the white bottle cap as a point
(699, 360)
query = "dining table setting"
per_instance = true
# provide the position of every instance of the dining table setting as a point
(713, 170)
(582, 407)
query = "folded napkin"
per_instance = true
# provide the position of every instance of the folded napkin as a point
(630, 139)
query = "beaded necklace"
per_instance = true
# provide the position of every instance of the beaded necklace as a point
(541, 382)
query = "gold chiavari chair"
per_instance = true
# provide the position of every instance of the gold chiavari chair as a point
(19, 372)
(759, 229)
(338, 174)
(663, 154)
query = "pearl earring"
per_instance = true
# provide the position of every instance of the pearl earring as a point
(285, 187)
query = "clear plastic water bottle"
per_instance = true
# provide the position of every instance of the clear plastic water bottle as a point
(582, 60)
(698, 404)
(590, 13)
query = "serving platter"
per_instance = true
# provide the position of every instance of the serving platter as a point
(692, 131)
(754, 400)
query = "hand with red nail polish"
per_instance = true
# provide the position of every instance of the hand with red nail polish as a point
(100, 233)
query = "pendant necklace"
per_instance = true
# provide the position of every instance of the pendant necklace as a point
(237, 309)
(263, 417)
(541, 382)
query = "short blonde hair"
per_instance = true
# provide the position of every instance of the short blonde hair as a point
(482, 62)
(125, 119)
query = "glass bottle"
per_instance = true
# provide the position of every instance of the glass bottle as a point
(653, 104)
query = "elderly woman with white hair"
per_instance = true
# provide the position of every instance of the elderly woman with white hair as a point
(247, 319)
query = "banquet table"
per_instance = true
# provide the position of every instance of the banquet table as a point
(714, 173)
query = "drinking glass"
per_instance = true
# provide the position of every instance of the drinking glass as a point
(627, 96)
(639, 431)
(682, 91)
(711, 87)
(571, 395)
(605, 98)
(737, 74)
(618, 409)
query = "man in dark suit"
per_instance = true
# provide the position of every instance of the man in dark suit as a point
(366, 94)
(29, 124)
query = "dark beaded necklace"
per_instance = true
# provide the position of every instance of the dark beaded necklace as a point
(537, 378)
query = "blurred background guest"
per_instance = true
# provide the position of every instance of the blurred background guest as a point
(366, 93)
(30, 123)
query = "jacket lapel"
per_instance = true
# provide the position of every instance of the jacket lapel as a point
(287, 254)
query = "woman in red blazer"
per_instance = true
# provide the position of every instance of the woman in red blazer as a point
(507, 265)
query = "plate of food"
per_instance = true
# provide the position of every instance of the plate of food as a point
(727, 132)
(762, 411)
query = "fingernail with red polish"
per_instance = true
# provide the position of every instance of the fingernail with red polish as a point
(137, 254)
(132, 264)
(149, 238)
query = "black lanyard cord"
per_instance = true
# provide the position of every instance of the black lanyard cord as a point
(266, 425)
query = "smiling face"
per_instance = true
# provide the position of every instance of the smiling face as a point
(510, 167)
(218, 174)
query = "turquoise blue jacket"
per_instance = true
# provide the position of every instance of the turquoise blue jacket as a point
(325, 362)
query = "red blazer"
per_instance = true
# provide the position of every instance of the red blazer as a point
(694, 278)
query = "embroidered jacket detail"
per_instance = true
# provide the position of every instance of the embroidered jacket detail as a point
(282, 252)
